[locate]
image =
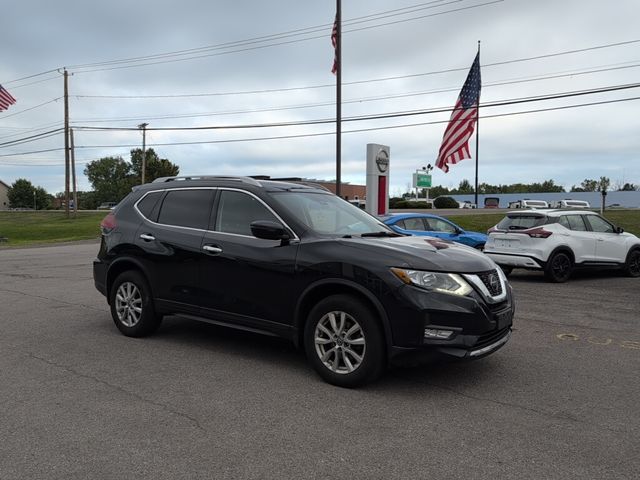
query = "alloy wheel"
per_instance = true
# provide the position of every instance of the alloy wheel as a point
(129, 304)
(561, 266)
(339, 342)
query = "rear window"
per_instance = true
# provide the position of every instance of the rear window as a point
(522, 222)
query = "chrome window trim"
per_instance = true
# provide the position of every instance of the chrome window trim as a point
(135, 206)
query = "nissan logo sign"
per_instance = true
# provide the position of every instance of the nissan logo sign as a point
(382, 160)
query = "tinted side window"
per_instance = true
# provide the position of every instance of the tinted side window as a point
(564, 221)
(576, 223)
(599, 224)
(237, 210)
(186, 208)
(413, 224)
(147, 204)
(441, 226)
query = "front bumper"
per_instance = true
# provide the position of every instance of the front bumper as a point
(477, 328)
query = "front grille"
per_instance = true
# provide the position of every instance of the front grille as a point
(490, 338)
(492, 281)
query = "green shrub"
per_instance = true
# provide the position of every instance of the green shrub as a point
(445, 202)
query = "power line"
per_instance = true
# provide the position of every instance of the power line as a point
(373, 80)
(300, 31)
(283, 137)
(553, 96)
(259, 47)
(32, 138)
(32, 108)
(352, 101)
(274, 36)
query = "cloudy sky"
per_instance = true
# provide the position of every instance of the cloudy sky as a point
(222, 63)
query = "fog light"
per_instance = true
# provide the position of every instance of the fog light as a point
(441, 334)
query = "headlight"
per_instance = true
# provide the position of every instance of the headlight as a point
(439, 282)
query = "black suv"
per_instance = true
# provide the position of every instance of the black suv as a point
(296, 261)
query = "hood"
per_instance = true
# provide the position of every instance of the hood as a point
(424, 253)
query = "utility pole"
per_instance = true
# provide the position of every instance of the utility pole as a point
(73, 174)
(66, 142)
(143, 127)
(339, 98)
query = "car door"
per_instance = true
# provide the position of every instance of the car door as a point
(577, 236)
(609, 247)
(246, 280)
(170, 237)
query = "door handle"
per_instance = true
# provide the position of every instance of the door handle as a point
(147, 237)
(212, 249)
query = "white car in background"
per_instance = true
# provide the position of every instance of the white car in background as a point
(558, 241)
(569, 203)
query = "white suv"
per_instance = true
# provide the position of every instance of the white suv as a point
(557, 241)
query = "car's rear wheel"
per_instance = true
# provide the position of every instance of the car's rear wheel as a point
(132, 306)
(344, 342)
(632, 265)
(558, 268)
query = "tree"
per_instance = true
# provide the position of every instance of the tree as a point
(465, 187)
(603, 184)
(589, 185)
(628, 187)
(110, 177)
(22, 194)
(155, 167)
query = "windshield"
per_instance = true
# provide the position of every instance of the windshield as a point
(327, 214)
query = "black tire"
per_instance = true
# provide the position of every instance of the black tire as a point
(132, 307)
(558, 268)
(632, 265)
(506, 270)
(339, 357)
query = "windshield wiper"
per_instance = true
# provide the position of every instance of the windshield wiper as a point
(381, 234)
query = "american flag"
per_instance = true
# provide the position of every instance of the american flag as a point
(6, 100)
(455, 143)
(334, 41)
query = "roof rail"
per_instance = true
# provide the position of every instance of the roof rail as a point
(249, 180)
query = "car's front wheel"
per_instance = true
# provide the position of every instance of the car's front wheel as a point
(344, 341)
(558, 268)
(632, 265)
(132, 306)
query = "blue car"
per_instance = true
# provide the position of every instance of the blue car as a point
(429, 225)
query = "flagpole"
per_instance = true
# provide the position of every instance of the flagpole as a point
(477, 134)
(338, 96)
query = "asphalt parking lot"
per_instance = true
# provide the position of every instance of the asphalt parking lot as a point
(79, 401)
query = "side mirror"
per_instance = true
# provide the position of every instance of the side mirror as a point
(619, 230)
(269, 230)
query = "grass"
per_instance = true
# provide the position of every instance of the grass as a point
(29, 228)
(627, 219)
(32, 228)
